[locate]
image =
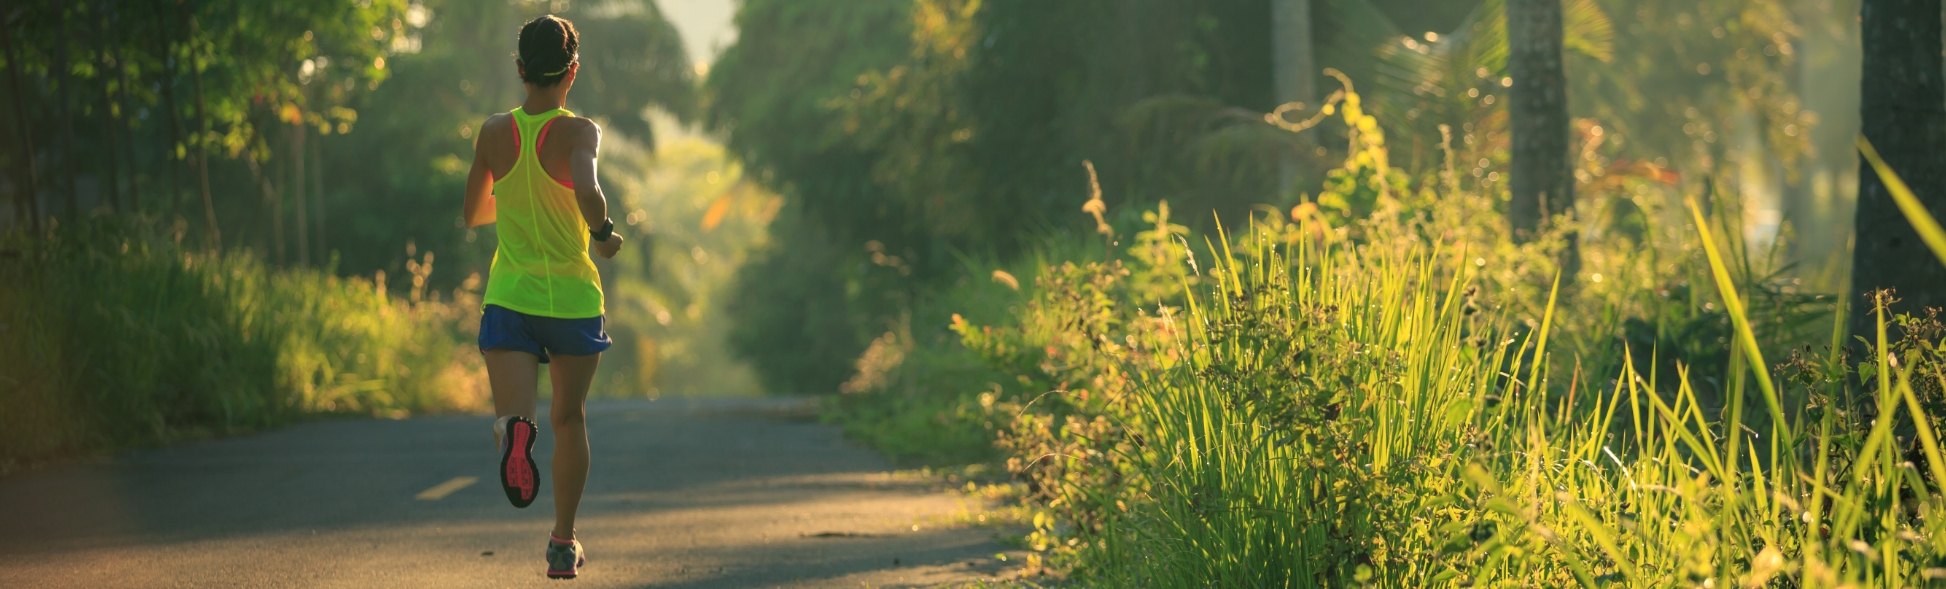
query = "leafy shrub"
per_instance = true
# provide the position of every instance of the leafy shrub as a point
(793, 321)
(112, 335)
(1405, 397)
(1320, 417)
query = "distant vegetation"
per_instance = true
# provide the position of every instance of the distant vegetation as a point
(1411, 399)
(1215, 334)
(223, 216)
(118, 335)
(1067, 240)
(908, 137)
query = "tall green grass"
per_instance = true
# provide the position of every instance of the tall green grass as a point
(916, 392)
(1320, 402)
(1331, 426)
(1410, 400)
(113, 334)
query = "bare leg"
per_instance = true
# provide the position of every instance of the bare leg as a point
(514, 377)
(572, 375)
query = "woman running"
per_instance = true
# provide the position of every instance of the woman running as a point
(534, 174)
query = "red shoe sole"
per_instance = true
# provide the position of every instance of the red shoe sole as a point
(518, 477)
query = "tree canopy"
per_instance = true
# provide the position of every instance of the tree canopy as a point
(309, 131)
(935, 129)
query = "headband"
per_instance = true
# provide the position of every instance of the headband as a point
(572, 59)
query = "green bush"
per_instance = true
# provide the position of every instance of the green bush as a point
(1407, 398)
(1330, 425)
(112, 334)
(793, 320)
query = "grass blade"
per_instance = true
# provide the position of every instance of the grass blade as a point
(1908, 202)
(1747, 339)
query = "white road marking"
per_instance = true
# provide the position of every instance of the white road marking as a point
(440, 491)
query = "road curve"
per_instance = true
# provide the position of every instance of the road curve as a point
(689, 494)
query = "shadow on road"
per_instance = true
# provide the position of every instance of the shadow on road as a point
(684, 493)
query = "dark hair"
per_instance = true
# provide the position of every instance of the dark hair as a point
(548, 45)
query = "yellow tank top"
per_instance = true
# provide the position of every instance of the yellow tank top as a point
(541, 266)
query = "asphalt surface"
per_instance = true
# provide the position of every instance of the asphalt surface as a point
(684, 494)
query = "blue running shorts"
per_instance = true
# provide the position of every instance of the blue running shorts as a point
(506, 329)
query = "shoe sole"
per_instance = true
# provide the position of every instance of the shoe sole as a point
(519, 455)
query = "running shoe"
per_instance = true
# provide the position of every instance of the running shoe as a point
(518, 475)
(564, 558)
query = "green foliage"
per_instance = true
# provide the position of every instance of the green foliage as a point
(911, 117)
(793, 317)
(918, 394)
(1049, 84)
(336, 128)
(905, 124)
(296, 101)
(1367, 180)
(1330, 416)
(251, 55)
(1293, 440)
(424, 116)
(117, 335)
(1719, 71)
(128, 92)
(632, 59)
(1369, 396)
(693, 219)
(1060, 432)
(925, 138)
(1440, 100)
(1406, 398)
(771, 89)
(802, 309)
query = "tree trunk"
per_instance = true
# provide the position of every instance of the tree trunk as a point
(274, 190)
(1543, 175)
(1295, 74)
(29, 206)
(317, 198)
(168, 82)
(297, 182)
(113, 180)
(127, 128)
(1903, 108)
(271, 208)
(62, 83)
(202, 138)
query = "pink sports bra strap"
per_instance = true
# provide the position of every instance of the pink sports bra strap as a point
(539, 140)
(542, 139)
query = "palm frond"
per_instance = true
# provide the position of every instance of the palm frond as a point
(1587, 29)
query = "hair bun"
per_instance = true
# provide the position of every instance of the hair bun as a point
(548, 46)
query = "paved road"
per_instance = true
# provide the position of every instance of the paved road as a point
(685, 494)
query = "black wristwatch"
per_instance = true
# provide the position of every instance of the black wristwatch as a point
(606, 231)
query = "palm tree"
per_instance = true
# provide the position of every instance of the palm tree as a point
(1296, 69)
(1542, 180)
(1903, 107)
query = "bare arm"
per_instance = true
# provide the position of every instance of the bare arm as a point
(587, 188)
(479, 207)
